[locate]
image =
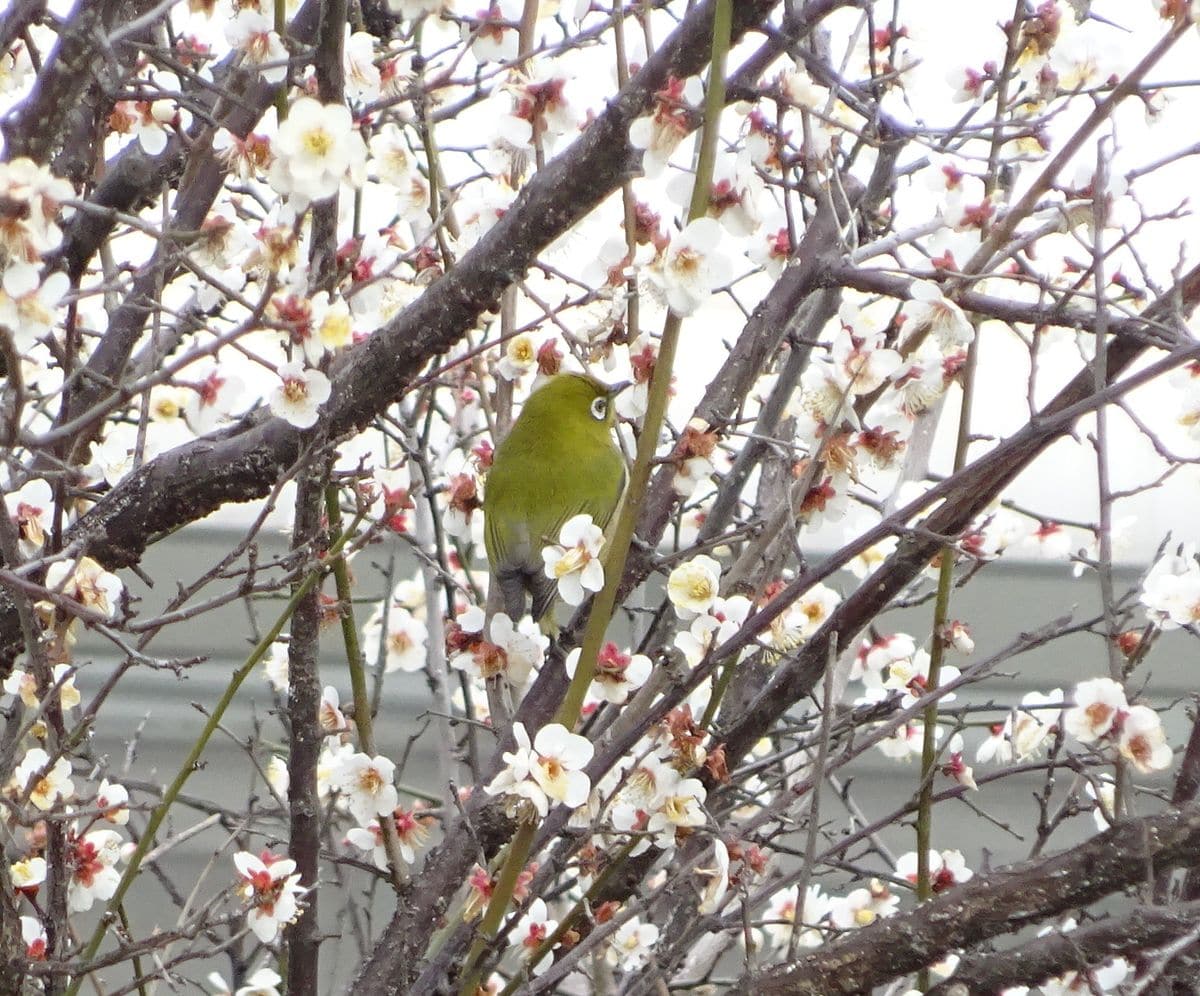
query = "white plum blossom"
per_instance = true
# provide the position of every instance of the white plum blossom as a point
(1171, 591)
(214, 396)
(694, 266)
(28, 874)
(395, 165)
(29, 305)
(1098, 704)
(520, 357)
(86, 582)
(31, 509)
(316, 149)
(617, 674)
(946, 868)
(253, 32)
(1142, 741)
(329, 714)
(411, 833)
(531, 931)
(405, 644)
(92, 859)
(548, 769)
(780, 918)
(575, 562)
(862, 907)
(47, 783)
(677, 806)
(366, 784)
(630, 946)
(659, 134)
(300, 394)
(694, 585)
(929, 311)
(33, 936)
(271, 887)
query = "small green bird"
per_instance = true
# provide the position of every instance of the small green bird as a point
(558, 460)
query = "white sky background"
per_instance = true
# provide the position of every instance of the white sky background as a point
(944, 36)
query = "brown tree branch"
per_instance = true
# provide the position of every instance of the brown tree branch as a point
(987, 906)
(1141, 929)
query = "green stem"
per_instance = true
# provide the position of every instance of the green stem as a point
(514, 862)
(605, 602)
(191, 763)
(363, 721)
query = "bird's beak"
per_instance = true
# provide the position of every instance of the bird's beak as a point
(615, 389)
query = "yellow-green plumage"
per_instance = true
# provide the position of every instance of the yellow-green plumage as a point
(558, 460)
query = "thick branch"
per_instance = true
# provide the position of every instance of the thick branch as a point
(1143, 929)
(986, 907)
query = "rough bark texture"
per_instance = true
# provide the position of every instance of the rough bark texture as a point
(988, 906)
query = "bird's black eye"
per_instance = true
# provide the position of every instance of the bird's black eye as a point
(599, 408)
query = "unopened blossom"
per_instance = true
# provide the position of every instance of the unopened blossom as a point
(520, 357)
(271, 888)
(1098, 704)
(366, 784)
(531, 931)
(28, 304)
(316, 149)
(930, 312)
(329, 714)
(953, 765)
(275, 667)
(617, 674)
(631, 945)
(694, 585)
(1102, 790)
(575, 562)
(92, 860)
(1142, 740)
(33, 936)
(47, 783)
(694, 266)
(300, 394)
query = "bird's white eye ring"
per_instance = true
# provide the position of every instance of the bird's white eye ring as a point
(599, 408)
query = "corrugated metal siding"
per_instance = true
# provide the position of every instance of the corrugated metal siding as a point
(1001, 601)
